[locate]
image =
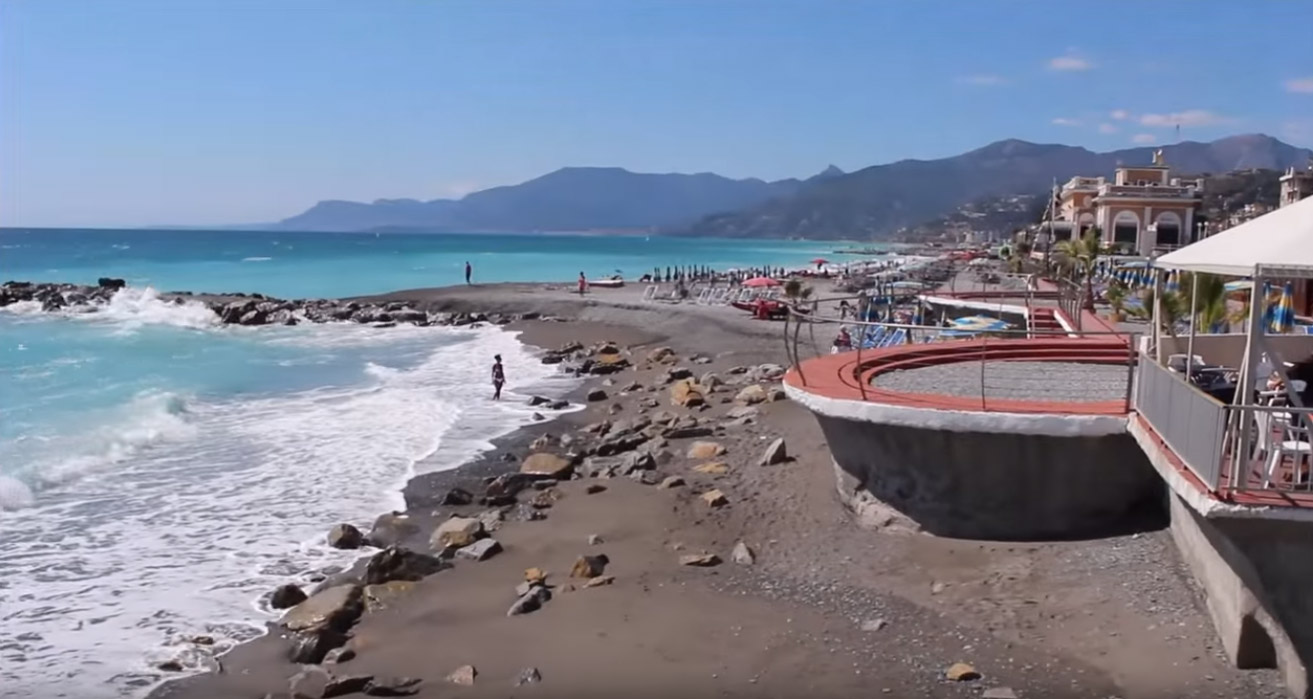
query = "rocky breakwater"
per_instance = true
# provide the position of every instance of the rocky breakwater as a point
(249, 309)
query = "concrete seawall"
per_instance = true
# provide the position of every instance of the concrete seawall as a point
(1255, 574)
(991, 485)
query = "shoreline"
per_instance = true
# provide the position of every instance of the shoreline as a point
(825, 608)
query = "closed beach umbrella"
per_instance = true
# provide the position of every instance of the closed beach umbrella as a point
(1173, 284)
(1283, 316)
(761, 282)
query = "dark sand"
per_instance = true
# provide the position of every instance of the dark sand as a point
(1101, 618)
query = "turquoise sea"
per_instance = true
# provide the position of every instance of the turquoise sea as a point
(159, 472)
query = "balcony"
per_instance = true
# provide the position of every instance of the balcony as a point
(1156, 191)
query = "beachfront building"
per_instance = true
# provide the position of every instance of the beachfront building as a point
(1142, 209)
(1296, 185)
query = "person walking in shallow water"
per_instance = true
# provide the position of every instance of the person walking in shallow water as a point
(498, 377)
(583, 283)
(468, 270)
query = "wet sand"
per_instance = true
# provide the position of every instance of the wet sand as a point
(827, 609)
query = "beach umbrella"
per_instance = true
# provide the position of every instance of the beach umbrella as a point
(820, 261)
(761, 282)
(978, 324)
(1283, 314)
(1173, 283)
(1238, 286)
(1269, 307)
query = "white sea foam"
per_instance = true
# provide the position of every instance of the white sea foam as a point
(107, 574)
(256, 259)
(134, 307)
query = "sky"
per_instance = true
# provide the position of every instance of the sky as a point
(206, 112)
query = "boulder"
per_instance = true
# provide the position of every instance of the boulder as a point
(455, 497)
(528, 675)
(391, 529)
(536, 401)
(341, 655)
(456, 532)
(544, 441)
(709, 381)
(700, 560)
(481, 550)
(395, 563)
(600, 580)
(660, 354)
(999, 693)
(775, 453)
(337, 606)
(961, 672)
(713, 468)
(751, 395)
(594, 489)
(110, 283)
(545, 464)
(619, 444)
(589, 566)
(766, 372)
(286, 596)
(690, 432)
(345, 536)
(742, 554)
(714, 498)
(671, 482)
(463, 675)
(637, 461)
(705, 450)
(601, 467)
(310, 648)
(742, 411)
(775, 395)
(393, 687)
(309, 682)
(678, 373)
(686, 394)
(596, 395)
(535, 576)
(342, 685)
(530, 601)
(645, 477)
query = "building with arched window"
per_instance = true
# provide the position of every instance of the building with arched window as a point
(1142, 209)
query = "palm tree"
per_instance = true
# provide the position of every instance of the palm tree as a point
(1211, 311)
(1173, 307)
(1116, 297)
(1077, 259)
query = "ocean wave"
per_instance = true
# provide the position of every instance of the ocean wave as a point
(149, 418)
(256, 259)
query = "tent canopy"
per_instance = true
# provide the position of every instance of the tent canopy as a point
(1281, 242)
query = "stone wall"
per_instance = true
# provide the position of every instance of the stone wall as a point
(992, 485)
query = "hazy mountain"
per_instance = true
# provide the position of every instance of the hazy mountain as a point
(572, 198)
(876, 201)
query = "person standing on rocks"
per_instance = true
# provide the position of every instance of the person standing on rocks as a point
(468, 270)
(498, 376)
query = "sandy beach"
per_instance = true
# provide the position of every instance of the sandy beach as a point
(824, 608)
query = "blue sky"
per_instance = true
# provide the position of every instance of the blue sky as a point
(132, 112)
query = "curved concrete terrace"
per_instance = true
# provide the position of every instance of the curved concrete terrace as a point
(978, 466)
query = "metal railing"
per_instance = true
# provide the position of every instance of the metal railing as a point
(1007, 386)
(1191, 422)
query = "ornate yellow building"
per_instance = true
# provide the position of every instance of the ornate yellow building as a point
(1142, 209)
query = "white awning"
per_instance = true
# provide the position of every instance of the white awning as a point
(1280, 242)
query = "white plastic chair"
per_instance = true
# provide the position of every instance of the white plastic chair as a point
(1294, 443)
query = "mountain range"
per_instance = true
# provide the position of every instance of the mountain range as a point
(870, 203)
